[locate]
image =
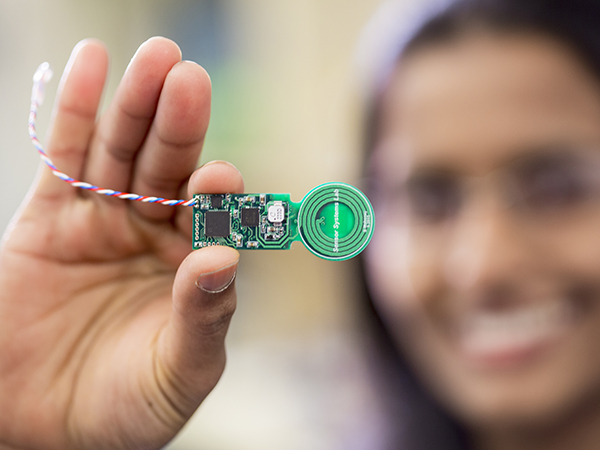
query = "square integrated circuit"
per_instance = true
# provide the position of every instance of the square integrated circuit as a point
(217, 223)
(250, 217)
(216, 201)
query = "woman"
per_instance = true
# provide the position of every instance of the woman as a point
(484, 161)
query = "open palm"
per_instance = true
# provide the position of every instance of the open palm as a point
(111, 331)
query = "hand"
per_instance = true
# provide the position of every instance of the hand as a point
(111, 330)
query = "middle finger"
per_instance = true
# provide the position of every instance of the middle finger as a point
(123, 128)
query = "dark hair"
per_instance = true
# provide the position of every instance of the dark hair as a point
(416, 420)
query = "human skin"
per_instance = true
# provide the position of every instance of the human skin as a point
(111, 330)
(468, 107)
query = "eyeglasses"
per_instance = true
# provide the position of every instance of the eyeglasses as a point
(535, 186)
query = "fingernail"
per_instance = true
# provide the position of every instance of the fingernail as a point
(217, 281)
(133, 58)
(136, 53)
(73, 57)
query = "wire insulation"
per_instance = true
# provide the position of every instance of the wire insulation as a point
(42, 75)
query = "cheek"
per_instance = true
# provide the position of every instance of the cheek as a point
(571, 246)
(425, 262)
(387, 269)
(404, 269)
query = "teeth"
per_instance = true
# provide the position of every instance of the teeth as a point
(503, 331)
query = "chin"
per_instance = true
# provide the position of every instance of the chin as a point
(509, 405)
(539, 392)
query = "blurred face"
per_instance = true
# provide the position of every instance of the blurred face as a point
(486, 258)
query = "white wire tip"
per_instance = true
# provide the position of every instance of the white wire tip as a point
(42, 75)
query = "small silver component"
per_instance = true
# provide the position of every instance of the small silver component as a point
(276, 212)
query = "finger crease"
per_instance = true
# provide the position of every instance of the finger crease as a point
(179, 145)
(122, 154)
(138, 117)
(71, 110)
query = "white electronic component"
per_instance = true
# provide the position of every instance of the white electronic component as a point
(276, 213)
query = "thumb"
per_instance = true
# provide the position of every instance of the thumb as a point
(190, 353)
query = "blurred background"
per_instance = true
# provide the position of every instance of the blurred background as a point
(286, 112)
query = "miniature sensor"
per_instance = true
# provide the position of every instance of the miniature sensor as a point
(335, 221)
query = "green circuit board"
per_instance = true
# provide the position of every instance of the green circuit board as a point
(335, 221)
(245, 221)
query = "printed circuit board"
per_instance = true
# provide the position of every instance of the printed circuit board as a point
(335, 221)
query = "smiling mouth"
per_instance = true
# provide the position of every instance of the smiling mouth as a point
(510, 338)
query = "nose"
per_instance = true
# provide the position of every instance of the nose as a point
(486, 251)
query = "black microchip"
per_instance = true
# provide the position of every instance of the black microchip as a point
(217, 223)
(250, 217)
(216, 201)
